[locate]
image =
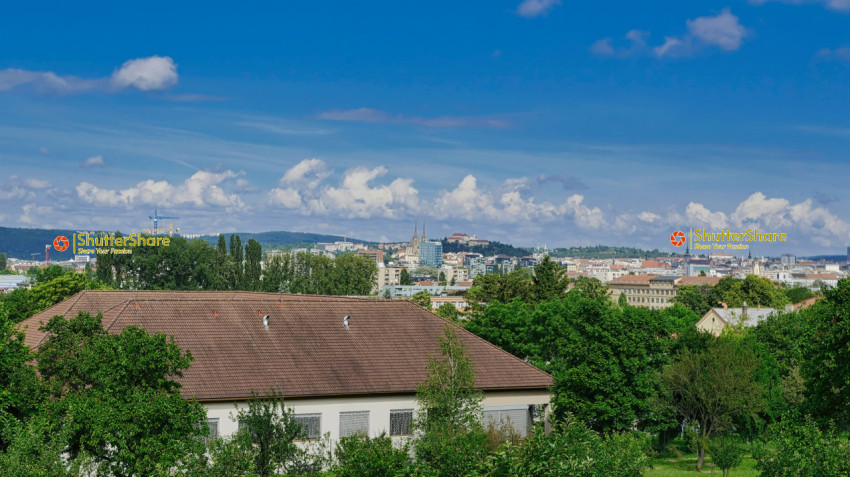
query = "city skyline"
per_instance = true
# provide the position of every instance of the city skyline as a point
(523, 121)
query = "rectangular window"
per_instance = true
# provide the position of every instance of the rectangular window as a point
(517, 417)
(212, 424)
(401, 420)
(311, 425)
(353, 422)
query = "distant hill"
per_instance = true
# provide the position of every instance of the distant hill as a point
(21, 243)
(826, 258)
(493, 248)
(282, 240)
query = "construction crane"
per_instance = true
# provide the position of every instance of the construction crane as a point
(156, 219)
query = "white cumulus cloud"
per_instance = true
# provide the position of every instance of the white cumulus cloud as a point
(147, 74)
(535, 8)
(94, 161)
(201, 190)
(722, 30)
(356, 196)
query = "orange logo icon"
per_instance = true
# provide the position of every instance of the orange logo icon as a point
(60, 243)
(677, 238)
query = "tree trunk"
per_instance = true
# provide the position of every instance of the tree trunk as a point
(700, 456)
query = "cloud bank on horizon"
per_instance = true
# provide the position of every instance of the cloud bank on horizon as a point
(313, 189)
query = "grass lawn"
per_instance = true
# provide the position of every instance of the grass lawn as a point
(686, 464)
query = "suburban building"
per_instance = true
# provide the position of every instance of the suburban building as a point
(459, 274)
(13, 282)
(716, 319)
(407, 291)
(388, 276)
(459, 302)
(344, 365)
(376, 255)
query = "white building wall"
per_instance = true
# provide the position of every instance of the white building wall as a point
(379, 408)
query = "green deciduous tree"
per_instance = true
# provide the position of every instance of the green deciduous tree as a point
(115, 395)
(591, 287)
(696, 298)
(826, 354)
(442, 279)
(604, 357)
(493, 287)
(798, 294)
(18, 392)
(227, 456)
(22, 303)
(448, 311)
(271, 429)
(253, 269)
(451, 440)
(237, 257)
(712, 387)
(360, 456)
(571, 449)
(404, 278)
(797, 447)
(221, 248)
(726, 452)
(423, 299)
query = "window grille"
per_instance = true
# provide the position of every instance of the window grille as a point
(518, 418)
(353, 422)
(311, 425)
(401, 421)
(212, 424)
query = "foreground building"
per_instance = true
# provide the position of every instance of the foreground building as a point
(716, 319)
(344, 365)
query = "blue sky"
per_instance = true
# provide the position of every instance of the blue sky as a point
(564, 123)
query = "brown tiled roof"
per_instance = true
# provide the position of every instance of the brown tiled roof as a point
(697, 281)
(305, 352)
(632, 280)
(822, 276)
(807, 302)
(651, 264)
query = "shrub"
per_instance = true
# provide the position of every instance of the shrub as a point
(797, 447)
(360, 456)
(571, 449)
(726, 452)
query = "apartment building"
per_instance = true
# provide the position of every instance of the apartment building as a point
(653, 291)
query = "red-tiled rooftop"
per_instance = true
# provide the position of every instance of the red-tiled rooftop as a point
(306, 351)
(697, 281)
(632, 280)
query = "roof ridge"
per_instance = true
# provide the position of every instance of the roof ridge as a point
(117, 315)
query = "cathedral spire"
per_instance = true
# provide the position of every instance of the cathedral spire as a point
(424, 239)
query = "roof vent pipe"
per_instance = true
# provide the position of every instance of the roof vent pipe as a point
(345, 321)
(266, 321)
